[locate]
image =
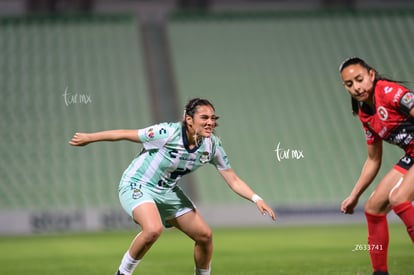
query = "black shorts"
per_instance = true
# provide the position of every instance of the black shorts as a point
(404, 164)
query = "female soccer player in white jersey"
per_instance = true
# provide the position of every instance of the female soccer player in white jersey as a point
(148, 189)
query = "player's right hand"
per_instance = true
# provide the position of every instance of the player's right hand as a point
(349, 204)
(79, 139)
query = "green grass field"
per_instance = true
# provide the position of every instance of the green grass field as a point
(277, 250)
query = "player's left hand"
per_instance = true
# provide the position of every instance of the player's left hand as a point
(264, 208)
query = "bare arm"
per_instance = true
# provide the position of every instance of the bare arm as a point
(368, 174)
(242, 189)
(81, 139)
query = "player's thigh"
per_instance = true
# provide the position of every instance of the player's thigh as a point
(148, 217)
(404, 191)
(378, 202)
(193, 225)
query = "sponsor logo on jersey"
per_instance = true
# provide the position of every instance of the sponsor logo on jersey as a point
(383, 132)
(162, 131)
(387, 89)
(150, 133)
(406, 160)
(400, 137)
(382, 113)
(397, 95)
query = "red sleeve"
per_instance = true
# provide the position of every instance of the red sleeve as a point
(370, 137)
(398, 96)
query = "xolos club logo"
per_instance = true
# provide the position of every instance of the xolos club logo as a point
(382, 113)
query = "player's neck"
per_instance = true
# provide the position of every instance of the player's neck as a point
(193, 139)
(370, 101)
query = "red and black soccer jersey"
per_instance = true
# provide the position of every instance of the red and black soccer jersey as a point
(390, 120)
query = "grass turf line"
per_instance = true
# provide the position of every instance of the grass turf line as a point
(276, 250)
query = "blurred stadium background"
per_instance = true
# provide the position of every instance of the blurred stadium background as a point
(270, 68)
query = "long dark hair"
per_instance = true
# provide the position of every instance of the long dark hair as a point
(356, 60)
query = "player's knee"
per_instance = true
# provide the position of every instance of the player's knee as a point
(151, 234)
(373, 207)
(396, 197)
(205, 237)
(369, 208)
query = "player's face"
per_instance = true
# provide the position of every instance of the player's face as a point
(203, 122)
(359, 82)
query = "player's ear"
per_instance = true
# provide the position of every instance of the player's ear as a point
(189, 121)
(371, 74)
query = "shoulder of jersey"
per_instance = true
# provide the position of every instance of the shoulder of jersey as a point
(391, 91)
(215, 139)
(162, 130)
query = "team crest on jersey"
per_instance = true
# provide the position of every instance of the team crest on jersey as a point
(205, 157)
(382, 113)
(136, 194)
(150, 133)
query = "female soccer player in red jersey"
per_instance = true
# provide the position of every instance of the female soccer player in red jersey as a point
(385, 108)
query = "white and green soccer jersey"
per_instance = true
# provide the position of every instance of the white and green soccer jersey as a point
(166, 157)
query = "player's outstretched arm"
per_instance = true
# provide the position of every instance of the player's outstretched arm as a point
(241, 188)
(82, 139)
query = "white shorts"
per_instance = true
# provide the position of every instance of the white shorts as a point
(171, 204)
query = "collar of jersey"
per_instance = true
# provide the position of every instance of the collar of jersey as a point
(185, 141)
